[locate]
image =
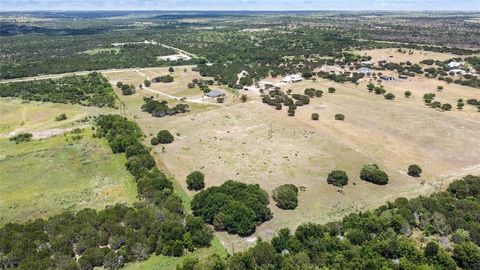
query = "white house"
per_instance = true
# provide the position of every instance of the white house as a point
(454, 64)
(292, 78)
(174, 57)
(364, 70)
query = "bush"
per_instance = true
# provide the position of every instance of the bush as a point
(170, 69)
(315, 116)
(373, 174)
(318, 93)
(61, 117)
(337, 178)
(128, 89)
(196, 180)
(408, 94)
(286, 196)
(22, 137)
(446, 107)
(414, 170)
(389, 96)
(165, 137)
(191, 85)
(331, 90)
(164, 79)
(147, 83)
(154, 141)
(339, 117)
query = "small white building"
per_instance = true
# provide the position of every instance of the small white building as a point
(458, 71)
(292, 78)
(364, 70)
(454, 64)
(175, 57)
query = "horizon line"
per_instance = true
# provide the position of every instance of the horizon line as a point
(243, 10)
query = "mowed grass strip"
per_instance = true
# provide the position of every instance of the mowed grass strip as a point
(42, 178)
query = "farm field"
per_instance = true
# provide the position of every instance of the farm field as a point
(233, 142)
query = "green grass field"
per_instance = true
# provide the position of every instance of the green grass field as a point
(42, 178)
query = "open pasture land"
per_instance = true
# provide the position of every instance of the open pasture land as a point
(393, 55)
(42, 178)
(254, 143)
(18, 116)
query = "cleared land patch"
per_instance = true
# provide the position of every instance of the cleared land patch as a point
(45, 177)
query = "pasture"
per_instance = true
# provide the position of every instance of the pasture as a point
(45, 177)
(254, 143)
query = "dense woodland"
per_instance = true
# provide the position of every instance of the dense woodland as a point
(88, 90)
(118, 234)
(438, 232)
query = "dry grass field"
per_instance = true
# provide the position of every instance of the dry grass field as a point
(392, 55)
(233, 142)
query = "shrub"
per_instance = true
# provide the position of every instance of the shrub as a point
(446, 107)
(339, 117)
(154, 141)
(309, 92)
(318, 93)
(408, 94)
(331, 90)
(170, 69)
(315, 116)
(389, 96)
(164, 79)
(128, 89)
(337, 178)
(414, 170)
(165, 137)
(286, 196)
(196, 180)
(220, 100)
(373, 174)
(61, 117)
(191, 85)
(22, 137)
(147, 83)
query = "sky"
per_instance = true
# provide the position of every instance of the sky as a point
(445, 5)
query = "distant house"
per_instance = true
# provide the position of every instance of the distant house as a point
(174, 57)
(454, 64)
(364, 70)
(215, 93)
(402, 76)
(458, 71)
(292, 78)
(386, 78)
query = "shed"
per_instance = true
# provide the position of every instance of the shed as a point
(215, 93)
(364, 70)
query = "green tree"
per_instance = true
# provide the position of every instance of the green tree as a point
(339, 117)
(337, 178)
(414, 170)
(196, 180)
(373, 174)
(286, 196)
(165, 137)
(408, 94)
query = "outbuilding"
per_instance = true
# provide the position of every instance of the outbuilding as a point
(386, 78)
(215, 93)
